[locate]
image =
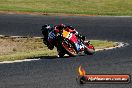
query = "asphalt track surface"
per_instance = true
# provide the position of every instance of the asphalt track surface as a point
(52, 72)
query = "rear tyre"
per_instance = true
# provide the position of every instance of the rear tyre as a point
(69, 47)
(61, 54)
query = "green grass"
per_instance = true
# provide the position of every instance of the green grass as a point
(26, 55)
(24, 48)
(103, 44)
(90, 7)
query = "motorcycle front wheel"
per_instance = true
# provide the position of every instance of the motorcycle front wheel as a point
(89, 49)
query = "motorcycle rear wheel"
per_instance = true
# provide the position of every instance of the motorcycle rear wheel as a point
(69, 47)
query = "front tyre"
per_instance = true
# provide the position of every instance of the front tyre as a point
(89, 49)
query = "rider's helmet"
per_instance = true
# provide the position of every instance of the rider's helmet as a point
(46, 27)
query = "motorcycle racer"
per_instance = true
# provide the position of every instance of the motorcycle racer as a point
(50, 35)
(69, 28)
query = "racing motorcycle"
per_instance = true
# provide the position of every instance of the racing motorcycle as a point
(65, 44)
